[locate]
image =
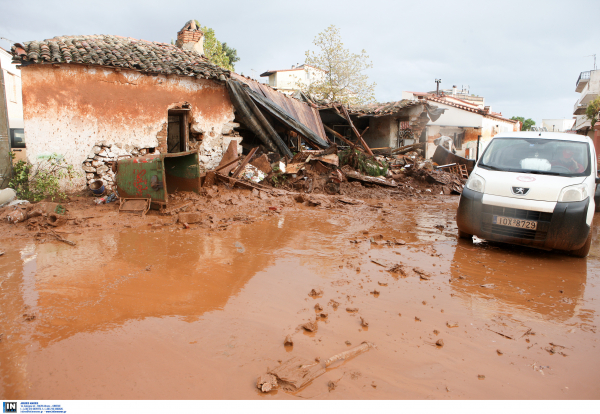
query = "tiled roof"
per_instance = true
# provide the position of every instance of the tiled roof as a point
(118, 52)
(381, 109)
(469, 108)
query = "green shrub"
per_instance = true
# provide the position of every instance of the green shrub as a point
(41, 181)
(362, 162)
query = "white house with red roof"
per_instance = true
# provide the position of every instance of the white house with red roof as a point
(465, 120)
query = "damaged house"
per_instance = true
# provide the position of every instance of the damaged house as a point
(466, 120)
(96, 98)
(381, 125)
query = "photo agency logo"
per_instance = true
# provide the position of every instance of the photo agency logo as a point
(9, 407)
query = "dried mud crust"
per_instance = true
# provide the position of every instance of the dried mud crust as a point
(214, 209)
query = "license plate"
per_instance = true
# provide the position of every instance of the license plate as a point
(513, 222)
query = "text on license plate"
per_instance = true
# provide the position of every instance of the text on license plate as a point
(513, 222)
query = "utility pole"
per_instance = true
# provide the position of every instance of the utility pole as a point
(5, 159)
(437, 88)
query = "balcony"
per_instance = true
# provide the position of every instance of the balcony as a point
(581, 123)
(584, 78)
(579, 108)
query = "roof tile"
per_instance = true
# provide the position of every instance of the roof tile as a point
(117, 51)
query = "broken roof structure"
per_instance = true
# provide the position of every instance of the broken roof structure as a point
(383, 125)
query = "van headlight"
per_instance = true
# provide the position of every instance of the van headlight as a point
(476, 183)
(571, 193)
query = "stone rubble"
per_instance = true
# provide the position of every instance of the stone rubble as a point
(98, 165)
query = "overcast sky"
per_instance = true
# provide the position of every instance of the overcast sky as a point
(523, 56)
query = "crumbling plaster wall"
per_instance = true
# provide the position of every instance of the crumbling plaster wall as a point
(70, 108)
(383, 131)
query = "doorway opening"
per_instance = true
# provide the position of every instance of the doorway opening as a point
(178, 131)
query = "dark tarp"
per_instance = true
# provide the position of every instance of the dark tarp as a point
(249, 114)
(247, 103)
(434, 112)
(288, 120)
(442, 156)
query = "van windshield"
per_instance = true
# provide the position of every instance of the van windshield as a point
(537, 156)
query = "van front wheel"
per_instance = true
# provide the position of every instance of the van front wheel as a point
(585, 249)
(463, 235)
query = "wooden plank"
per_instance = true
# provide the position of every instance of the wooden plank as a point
(229, 156)
(340, 136)
(221, 167)
(244, 162)
(362, 141)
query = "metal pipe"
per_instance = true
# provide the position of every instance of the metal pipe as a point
(478, 139)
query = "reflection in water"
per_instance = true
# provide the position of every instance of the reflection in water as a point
(110, 279)
(546, 283)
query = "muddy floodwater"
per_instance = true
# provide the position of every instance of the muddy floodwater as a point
(169, 313)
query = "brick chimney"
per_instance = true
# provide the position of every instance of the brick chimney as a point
(190, 37)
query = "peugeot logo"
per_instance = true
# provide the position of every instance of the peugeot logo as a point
(520, 190)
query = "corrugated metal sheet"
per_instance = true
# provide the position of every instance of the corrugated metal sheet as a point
(301, 111)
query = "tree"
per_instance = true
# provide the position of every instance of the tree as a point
(231, 54)
(343, 80)
(591, 112)
(526, 124)
(215, 51)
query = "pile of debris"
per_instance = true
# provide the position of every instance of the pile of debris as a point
(442, 180)
(323, 171)
(98, 165)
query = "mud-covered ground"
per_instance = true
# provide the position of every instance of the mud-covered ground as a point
(144, 308)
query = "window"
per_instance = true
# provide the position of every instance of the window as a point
(538, 156)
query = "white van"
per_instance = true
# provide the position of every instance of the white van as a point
(534, 189)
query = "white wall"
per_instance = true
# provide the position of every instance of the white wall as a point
(288, 80)
(14, 99)
(457, 117)
(558, 125)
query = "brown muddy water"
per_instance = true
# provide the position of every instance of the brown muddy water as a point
(197, 314)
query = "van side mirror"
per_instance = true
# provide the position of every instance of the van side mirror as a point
(597, 180)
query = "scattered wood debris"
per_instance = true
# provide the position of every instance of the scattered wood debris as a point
(295, 373)
(363, 347)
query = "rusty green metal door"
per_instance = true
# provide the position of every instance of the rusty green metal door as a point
(142, 177)
(156, 176)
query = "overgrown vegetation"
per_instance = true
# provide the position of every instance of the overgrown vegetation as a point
(362, 162)
(41, 181)
(591, 112)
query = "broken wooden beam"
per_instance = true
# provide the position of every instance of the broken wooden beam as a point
(244, 162)
(340, 136)
(222, 167)
(360, 138)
